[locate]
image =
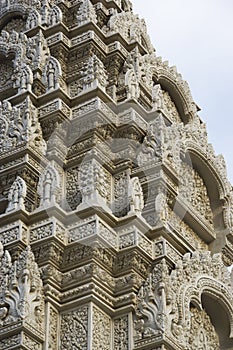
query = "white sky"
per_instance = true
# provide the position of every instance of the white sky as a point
(197, 37)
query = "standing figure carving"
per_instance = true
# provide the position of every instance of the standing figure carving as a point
(136, 197)
(157, 97)
(17, 195)
(48, 187)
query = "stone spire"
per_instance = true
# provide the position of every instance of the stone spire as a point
(116, 219)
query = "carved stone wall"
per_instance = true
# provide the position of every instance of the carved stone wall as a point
(116, 215)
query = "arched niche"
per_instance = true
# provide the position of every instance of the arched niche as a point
(218, 310)
(212, 296)
(161, 99)
(215, 183)
(15, 19)
(178, 90)
(6, 73)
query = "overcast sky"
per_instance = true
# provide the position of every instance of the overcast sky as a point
(197, 37)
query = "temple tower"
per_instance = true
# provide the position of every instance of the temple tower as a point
(116, 216)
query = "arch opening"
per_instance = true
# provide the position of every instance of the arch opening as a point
(215, 188)
(220, 320)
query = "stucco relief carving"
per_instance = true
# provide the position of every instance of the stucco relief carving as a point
(151, 304)
(202, 333)
(101, 330)
(193, 189)
(86, 13)
(73, 194)
(121, 203)
(179, 288)
(54, 16)
(52, 75)
(163, 302)
(21, 291)
(131, 27)
(33, 19)
(92, 63)
(6, 73)
(136, 199)
(49, 186)
(17, 194)
(121, 333)
(74, 329)
(95, 182)
(20, 126)
(16, 24)
(24, 79)
(94, 73)
(151, 148)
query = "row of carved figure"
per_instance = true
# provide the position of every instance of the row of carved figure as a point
(49, 190)
(47, 14)
(33, 57)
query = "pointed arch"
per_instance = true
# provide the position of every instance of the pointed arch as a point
(48, 186)
(178, 89)
(212, 170)
(16, 195)
(200, 294)
(54, 16)
(52, 73)
(33, 19)
(25, 79)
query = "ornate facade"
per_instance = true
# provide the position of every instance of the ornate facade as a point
(116, 216)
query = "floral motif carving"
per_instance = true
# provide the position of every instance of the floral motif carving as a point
(74, 329)
(20, 126)
(95, 184)
(21, 292)
(121, 203)
(121, 333)
(101, 330)
(53, 329)
(73, 194)
(193, 190)
(202, 332)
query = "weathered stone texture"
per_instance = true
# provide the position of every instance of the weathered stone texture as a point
(116, 215)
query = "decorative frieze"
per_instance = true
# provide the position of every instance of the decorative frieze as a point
(46, 229)
(12, 233)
